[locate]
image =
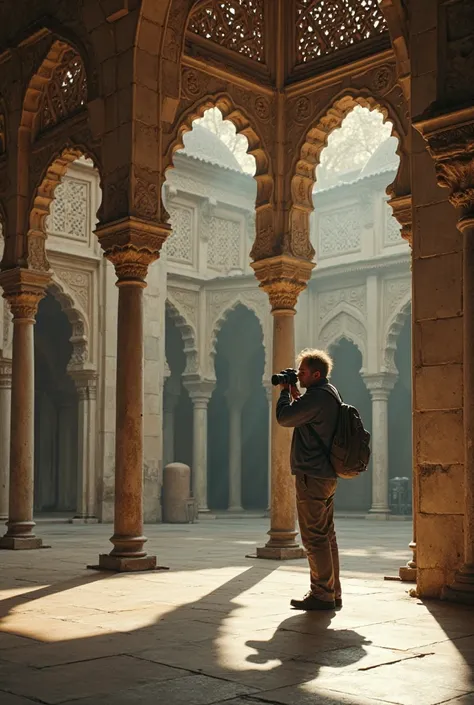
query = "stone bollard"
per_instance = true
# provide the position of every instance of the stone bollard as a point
(178, 505)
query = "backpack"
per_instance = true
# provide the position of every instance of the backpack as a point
(349, 453)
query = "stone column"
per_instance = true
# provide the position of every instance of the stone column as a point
(379, 387)
(451, 144)
(23, 289)
(5, 406)
(86, 385)
(283, 278)
(269, 392)
(131, 245)
(170, 400)
(235, 403)
(200, 393)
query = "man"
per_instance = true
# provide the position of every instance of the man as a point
(316, 481)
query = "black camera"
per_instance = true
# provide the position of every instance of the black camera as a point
(288, 376)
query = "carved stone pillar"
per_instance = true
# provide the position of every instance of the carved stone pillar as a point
(379, 387)
(170, 400)
(23, 289)
(283, 278)
(235, 402)
(131, 245)
(5, 407)
(451, 144)
(86, 385)
(200, 393)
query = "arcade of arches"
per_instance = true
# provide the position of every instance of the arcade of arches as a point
(173, 363)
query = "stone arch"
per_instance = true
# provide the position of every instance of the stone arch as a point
(188, 336)
(345, 324)
(392, 331)
(237, 115)
(221, 318)
(78, 320)
(309, 152)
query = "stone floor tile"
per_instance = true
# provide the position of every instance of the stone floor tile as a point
(302, 695)
(93, 679)
(190, 690)
(12, 641)
(11, 699)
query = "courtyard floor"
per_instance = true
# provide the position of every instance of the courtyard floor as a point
(217, 627)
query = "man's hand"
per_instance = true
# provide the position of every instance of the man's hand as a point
(294, 391)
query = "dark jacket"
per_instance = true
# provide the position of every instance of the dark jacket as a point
(319, 409)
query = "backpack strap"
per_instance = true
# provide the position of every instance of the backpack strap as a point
(335, 395)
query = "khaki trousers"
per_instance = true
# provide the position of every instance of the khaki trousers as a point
(315, 503)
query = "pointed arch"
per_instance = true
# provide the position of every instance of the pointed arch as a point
(309, 155)
(345, 324)
(263, 174)
(188, 335)
(392, 331)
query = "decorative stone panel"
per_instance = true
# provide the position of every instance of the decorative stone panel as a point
(354, 296)
(392, 230)
(179, 246)
(340, 232)
(70, 210)
(224, 248)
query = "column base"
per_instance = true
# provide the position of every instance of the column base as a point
(462, 590)
(124, 564)
(84, 520)
(407, 574)
(205, 514)
(378, 514)
(281, 553)
(14, 543)
(235, 510)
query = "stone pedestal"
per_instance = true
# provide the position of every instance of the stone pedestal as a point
(86, 384)
(283, 278)
(379, 387)
(5, 407)
(200, 392)
(131, 245)
(23, 289)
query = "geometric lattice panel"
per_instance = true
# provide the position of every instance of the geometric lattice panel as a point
(340, 232)
(69, 210)
(224, 244)
(179, 245)
(392, 228)
(235, 24)
(326, 26)
(65, 92)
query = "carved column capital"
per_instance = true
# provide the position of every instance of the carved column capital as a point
(283, 278)
(86, 383)
(380, 385)
(200, 391)
(402, 211)
(450, 141)
(24, 289)
(132, 245)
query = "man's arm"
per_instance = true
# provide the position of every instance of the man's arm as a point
(298, 413)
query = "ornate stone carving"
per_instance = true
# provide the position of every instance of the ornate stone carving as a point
(182, 306)
(340, 232)
(395, 291)
(191, 83)
(326, 26)
(400, 210)
(236, 24)
(383, 79)
(132, 245)
(65, 91)
(78, 282)
(186, 303)
(23, 289)
(69, 210)
(329, 300)
(224, 248)
(146, 198)
(262, 107)
(346, 326)
(283, 278)
(179, 245)
(37, 259)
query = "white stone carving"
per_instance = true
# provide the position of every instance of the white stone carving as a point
(186, 302)
(179, 246)
(70, 210)
(79, 283)
(344, 326)
(224, 244)
(392, 228)
(353, 296)
(340, 232)
(394, 292)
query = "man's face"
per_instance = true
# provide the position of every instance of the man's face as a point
(306, 377)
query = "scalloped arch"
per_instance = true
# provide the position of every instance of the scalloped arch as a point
(77, 318)
(345, 325)
(188, 336)
(392, 331)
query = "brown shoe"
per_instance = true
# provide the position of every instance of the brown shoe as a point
(310, 603)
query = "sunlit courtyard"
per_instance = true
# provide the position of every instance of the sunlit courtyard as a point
(215, 626)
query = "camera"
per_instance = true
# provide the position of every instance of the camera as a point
(288, 376)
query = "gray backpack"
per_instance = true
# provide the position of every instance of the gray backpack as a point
(349, 452)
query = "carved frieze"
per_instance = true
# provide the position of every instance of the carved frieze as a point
(353, 296)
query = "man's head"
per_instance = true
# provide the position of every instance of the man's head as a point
(313, 366)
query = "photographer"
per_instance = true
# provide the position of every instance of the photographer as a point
(313, 417)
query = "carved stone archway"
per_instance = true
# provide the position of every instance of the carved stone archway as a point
(188, 336)
(344, 325)
(77, 318)
(392, 331)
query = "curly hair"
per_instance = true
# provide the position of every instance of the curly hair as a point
(317, 361)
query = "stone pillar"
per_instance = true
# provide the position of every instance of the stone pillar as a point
(379, 387)
(5, 406)
(283, 278)
(170, 400)
(269, 392)
(451, 144)
(86, 385)
(235, 403)
(131, 245)
(200, 393)
(23, 289)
